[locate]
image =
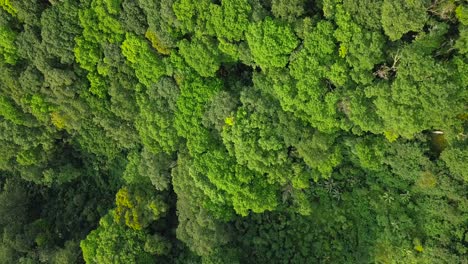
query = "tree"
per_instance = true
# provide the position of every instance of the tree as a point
(7, 46)
(361, 48)
(163, 30)
(104, 245)
(158, 132)
(271, 42)
(231, 19)
(8, 7)
(400, 17)
(193, 16)
(423, 96)
(157, 167)
(288, 10)
(148, 66)
(202, 233)
(315, 70)
(132, 17)
(59, 27)
(202, 55)
(455, 159)
(233, 131)
(255, 144)
(195, 93)
(366, 13)
(137, 207)
(462, 41)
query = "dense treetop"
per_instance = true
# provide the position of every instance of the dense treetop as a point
(233, 131)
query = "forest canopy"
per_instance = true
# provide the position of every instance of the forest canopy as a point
(233, 131)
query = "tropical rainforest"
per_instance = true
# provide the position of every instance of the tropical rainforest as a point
(233, 131)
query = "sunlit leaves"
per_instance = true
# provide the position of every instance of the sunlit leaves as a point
(138, 206)
(401, 16)
(8, 51)
(231, 19)
(201, 54)
(148, 66)
(104, 245)
(423, 96)
(158, 132)
(271, 42)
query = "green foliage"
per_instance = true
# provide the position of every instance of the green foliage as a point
(253, 143)
(7, 6)
(271, 42)
(191, 105)
(162, 22)
(456, 160)
(10, 112)
(193, 16)
(288, 10)
(157, 245)
(157, 132)
(68, 254)
(104, 245)
(412, 104)
(366, 13)
(362, 49)
(314, 69)
(462, 41)
(132, 17)
(401, 16)
(202, 55)
(202, 233)
(233, 131)
(7, 46)
(148, 167)
(147, 65)
(231, 19)
(59, 29)
(137, 207)
(87, 53)
(246, 189)
(462, 14)
(99, 22)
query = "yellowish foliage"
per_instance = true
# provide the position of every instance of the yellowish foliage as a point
(122, 198)
(6, 5)
(391, 136)
(417, 245)
(57, 120)
(229, 121)
(126, 210)
(178, 79)
(343, 51)
(462, 14)
(151, 36)
(383, 252)
(427, 180)
(463, 116)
